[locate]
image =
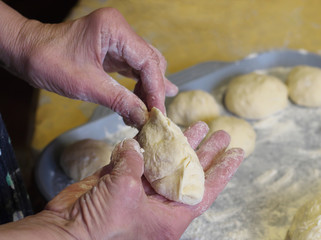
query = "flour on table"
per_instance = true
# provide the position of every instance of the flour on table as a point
(273, 182)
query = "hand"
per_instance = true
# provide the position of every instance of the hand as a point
(72, 59)
(117, 203)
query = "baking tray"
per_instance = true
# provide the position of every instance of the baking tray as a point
(261, 199)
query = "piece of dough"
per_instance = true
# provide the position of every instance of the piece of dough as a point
(255, 96)
(191, 106)
(306, 224)
(304, 85)
(241, 132)
(171, 165)
(82, 158)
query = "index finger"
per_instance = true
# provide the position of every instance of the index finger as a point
(143, 58)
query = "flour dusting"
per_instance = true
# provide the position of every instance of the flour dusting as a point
(271, 184)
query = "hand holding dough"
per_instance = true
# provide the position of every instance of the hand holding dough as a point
(171, 165)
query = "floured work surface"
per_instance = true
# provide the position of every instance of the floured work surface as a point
(280, 175)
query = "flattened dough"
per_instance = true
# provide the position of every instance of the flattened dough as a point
(82, 158)
(304, 85)
(256, 96)
(241, 132)
(191, 106)
(171, 165)
(306, 224)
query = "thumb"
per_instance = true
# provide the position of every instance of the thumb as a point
(125, 178)
(127, 159)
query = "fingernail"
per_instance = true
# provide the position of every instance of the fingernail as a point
(137, 117)
(130, 144)
(171, 90)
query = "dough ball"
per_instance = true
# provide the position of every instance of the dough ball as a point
(171, 165)
(191, 106)
(256, 96)
(304, 85)
(241, 132)
(306, 222)
(82, 158)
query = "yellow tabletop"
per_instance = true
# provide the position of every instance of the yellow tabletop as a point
(190, 32)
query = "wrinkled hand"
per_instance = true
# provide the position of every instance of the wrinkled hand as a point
(117, 203)
(72, 59)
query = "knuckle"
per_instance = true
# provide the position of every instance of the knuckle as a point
(153, 56)
(117, 104)
(106, 14)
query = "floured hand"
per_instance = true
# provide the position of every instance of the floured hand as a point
(72, 59)
(117, 202)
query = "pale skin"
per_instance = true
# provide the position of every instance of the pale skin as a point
(116, 202)
(73, 59)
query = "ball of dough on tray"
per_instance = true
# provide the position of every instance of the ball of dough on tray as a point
(255, 96)
(304, 85)
(306, 222)
(82, 158)
(241, 132)
(191, 106)
(171, 165)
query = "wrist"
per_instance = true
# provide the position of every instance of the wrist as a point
(44, 225)
(11, 23)
(18, 38)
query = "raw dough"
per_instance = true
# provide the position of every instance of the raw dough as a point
(82, 158)
(171, 165)
(306, 224)
(304, 85)
(241, 132)
(191, 106)
(256, 96)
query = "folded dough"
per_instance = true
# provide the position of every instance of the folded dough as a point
(171, 165)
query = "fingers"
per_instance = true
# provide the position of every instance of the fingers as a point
(130, 54)
(153, 85)
(218, 175)
(118, 98)
(195, 133)
(143, 58)
(127, 159)
(170, 88)
(124, 181)
(221, 171)
(213, 146)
